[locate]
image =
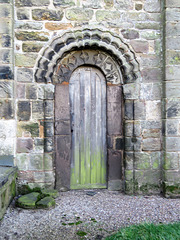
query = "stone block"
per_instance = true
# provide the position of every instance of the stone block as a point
(95, 4)
(115, 165)
(172, 127)
(46, 203)
(27, 129)
(152, 6)
(6, 109)
(129, 175)
(48, 109)
(29, 200)
(172, 144)
(171, 190)
(31, 3)
(79, 14)
(130, 33)
(6, 89)
(46, 14)
(132, 144)
(172, 73)
(7, 129)
(172, 15)
(23, 14)
(48, 144)
(24, 145)
(140, 46)
(37, 110)
(6, 26)
(32, 36)
(48, 129)
(151, 133)
(171, 161)
(39, 176)
(172, 3)
(105, 15)
(5, 11)
(132, 128)
(31, 47)
(147, 25)
(63, 3)
(38, 145)
(139, 110)
(48, 161)
(62, 144)
(31, 91)
(24, 110)
(142, 160)
(138, 6)
(6, 56)
(152, 75)
(49, 176)
(28, 25)
(36, 162)
(5, 41)
(129, 110)
(151, 124)
(7, 147)
(22, 161)
(119, 143)
(173, 108)
(150, 61)
(173, 89)
(24, 75)
(20, 91)
(155, 160)
(173, 43)
(129, 159)
(151, 91)
(57, 26)
(151, 144)
(25, 60)
(172, 176)
(46, 91)
(150, 34)
(123, 4)
(115, 185)
(62, 127)
(153, 110)
(131, 91)
(172, 29)
(173, 57)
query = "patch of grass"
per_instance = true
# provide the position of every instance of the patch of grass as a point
(81, 233)
(148, 232)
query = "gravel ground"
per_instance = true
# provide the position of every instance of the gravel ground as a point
(98, 216)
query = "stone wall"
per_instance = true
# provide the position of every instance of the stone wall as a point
(172, 99)
(139, 24)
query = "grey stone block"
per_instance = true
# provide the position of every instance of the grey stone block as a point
(139, 110)
(24, 110)
(173, 108)
(49, 109)
(172, 127)
(24, 145)
(172, 144)
(132, 144)
(36, 162)
(151, 144)
(129, 110)
(6, 89)
(6, 109)
(152, 6)
(23, 14)
(151, 75)
(37, 110)
(24, 75)
(20, 92)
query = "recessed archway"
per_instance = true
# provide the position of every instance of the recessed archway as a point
(113, 57)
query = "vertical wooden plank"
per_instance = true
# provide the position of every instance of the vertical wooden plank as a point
(93, 128)
(87, 130)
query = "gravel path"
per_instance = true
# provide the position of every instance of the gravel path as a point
(98, 216)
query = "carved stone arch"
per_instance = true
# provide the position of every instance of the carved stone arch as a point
(87, 38)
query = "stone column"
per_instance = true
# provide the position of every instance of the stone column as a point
(7, 116)
(172, 99)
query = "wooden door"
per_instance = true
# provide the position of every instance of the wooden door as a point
(87, 91)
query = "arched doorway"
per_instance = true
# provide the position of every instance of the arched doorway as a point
(87, 91)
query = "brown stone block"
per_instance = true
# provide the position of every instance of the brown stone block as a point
(57, 26)
(114, 165)
(140, 46)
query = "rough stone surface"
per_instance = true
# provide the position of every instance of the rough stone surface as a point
(28, 200)
(46, 202)
(41, 14)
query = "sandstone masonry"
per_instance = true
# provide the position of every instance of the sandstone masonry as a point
(141, 36)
